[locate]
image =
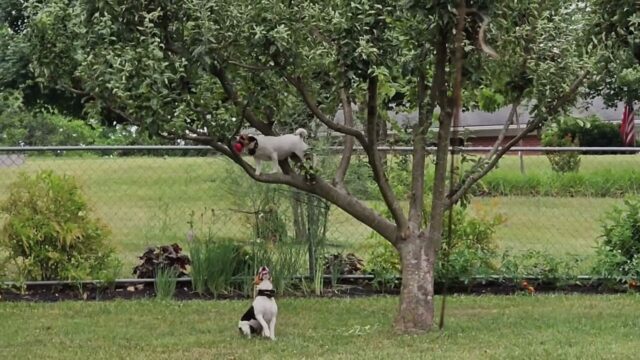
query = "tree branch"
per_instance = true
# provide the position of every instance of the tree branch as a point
(473, 178)
(321, 188)
(310, 102)
(230, 91)
(260, 68)
(374, 156)
(503, 131)
(425, 116)
(438, 202)
(347, 151)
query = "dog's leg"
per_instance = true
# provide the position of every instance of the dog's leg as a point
(244, 329)
(258, 167)
(272, 328)
(276, 166)
(265, 326)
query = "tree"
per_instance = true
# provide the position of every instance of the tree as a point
(614, 30)
(201, 70)
(15, 62)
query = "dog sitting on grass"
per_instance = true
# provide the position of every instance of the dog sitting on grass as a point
(260, 318)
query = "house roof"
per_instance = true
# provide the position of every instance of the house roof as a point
(478, 119)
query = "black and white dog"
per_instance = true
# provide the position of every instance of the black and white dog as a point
(272, 148)
(260, 318)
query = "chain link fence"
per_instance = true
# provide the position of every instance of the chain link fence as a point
(163, 195)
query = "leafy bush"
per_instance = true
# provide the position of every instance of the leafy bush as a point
(589, 131)
(163, 257)
(348, 264)
(43, 127)
(340, 264)
(49, 232)
(470, 249)
(538, 264)
(555, 136)
(619, 251)
(564, 162)
(469, 252)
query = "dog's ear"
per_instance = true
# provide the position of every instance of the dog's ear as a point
(257, 280)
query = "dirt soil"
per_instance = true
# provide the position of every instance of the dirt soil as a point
(131, 291)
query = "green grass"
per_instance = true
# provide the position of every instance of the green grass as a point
(556, 225)
(599, 176)
(148, 201)
(486, 327)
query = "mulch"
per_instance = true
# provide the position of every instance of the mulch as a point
(133, 291)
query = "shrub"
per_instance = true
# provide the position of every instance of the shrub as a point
(619, 251)
(383, 263)
(470, 249)
(564, 162)
(43, 128)
(49, 232)
(469, 252)
(162, 257)
(589, 131)
(538, 264)
(561, 162)
(340, 264)
(348, 264)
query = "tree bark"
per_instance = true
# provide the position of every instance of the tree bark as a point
(416, 311)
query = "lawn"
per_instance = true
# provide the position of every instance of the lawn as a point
(150, 201)
(485, 327)
(549, 224)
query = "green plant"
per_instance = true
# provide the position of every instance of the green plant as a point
(562, 161)
(618, 253)
(166, 256)
(383, 263)
(537, 264)
(589, 131)
(165, 283)
(215, 264)
(287, 262)
(339, 264)
(310, 216)
(470, 250)
(49, 232)
(318, 281)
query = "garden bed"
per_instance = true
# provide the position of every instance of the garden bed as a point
(134, 289)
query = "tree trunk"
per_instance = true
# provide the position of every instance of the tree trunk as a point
(416, 312)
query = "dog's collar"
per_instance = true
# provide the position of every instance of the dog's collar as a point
(252, 151)
(267, 293)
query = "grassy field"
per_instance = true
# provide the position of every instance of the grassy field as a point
(149, 201)
(600, 176)
(486, 327)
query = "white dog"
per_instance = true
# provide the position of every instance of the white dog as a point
(273, 148)
(261, 316)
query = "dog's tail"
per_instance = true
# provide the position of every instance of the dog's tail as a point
(301, 132)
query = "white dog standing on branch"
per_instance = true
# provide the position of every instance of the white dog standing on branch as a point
(272, 148)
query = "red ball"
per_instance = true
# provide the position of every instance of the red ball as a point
(238, 147)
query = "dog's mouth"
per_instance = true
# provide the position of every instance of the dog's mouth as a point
(263, 273)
